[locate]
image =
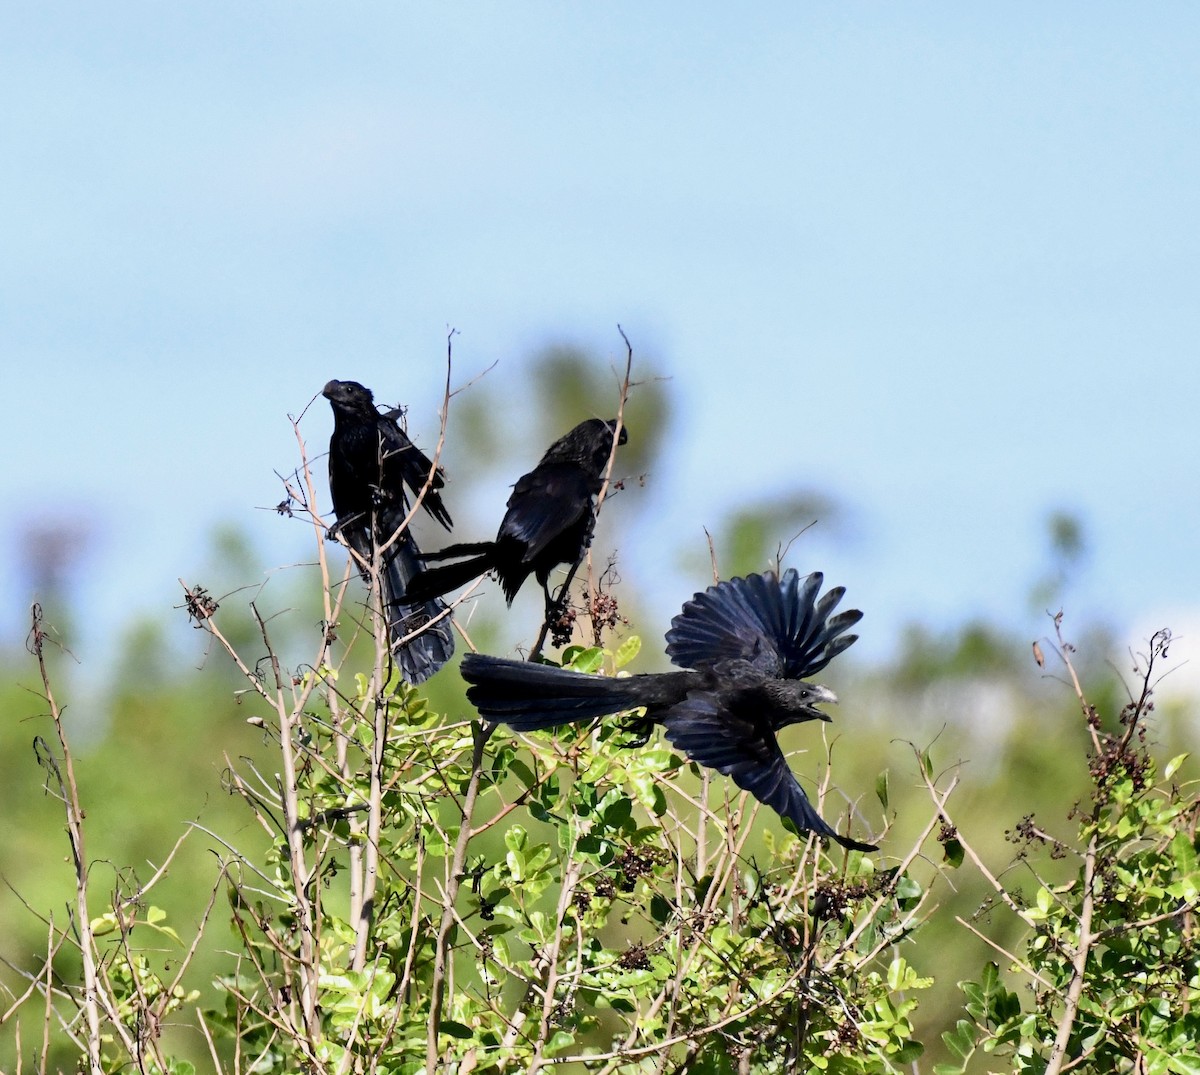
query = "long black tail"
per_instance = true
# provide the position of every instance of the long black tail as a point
(419, 657)
(423, 655)
(528, 696)
(431, 582)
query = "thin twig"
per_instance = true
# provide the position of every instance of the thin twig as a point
(90, 1000)
(482, 734)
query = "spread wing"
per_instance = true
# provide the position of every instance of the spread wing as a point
(748, 752)
(549, 501)
(778, 625)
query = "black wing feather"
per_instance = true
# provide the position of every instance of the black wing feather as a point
(748, 753)
(401, 461)
(776, 624)
(550, 499)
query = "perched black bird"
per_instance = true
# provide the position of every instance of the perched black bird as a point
(371, 460)
(549, 521)
(748, 645)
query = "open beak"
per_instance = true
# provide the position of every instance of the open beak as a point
(821, 696)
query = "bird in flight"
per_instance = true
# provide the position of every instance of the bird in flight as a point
(748, 648)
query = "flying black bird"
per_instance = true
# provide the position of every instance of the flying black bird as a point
(549, 520)
(748, 645)
(371, 460)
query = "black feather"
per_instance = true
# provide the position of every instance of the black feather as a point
(746, 646)
(371, 462)
(548, 522)
(776, 624)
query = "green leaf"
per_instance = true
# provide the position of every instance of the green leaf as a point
(167, 931)
(1045, 901)
(927, 763)
(901, 976)
(908, 891)
(515, 862)
(516, 838)
(627, 650)
(952, 852)
(106, 923)
(618, 812)
(560, 1040)
(961, 1040)
(522, 772)
(1184, 1064)
(1184, 854)
(881, 788)
(1173, 765)
(588, 660)
(991, 977)
(597, 765)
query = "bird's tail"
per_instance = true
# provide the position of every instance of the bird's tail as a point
(424, 654)
(461, 548)
(430, 582)
(528, 696)
(421, 656)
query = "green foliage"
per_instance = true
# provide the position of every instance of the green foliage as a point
(398, 889)
(1109, 955)
(565, 383)
(593, 917)
(975, 651)
(438, 896)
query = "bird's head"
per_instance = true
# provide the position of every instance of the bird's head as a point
(600, 434)
(587, 445)
(808, 697)
(349, 396)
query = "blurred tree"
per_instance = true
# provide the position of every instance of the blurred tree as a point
(1068, 549)
(504, 426)
(752, 537)
(50, 549)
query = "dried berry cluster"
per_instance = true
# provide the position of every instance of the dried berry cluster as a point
(632, 865)
(604, 611)
(832, 899)
(561, 622)
(635, 957)
(200, 606)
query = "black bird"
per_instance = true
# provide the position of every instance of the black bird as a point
(549, 521)
(371, 460)
(748, 645)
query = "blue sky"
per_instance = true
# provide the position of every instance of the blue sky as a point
(939, 260)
